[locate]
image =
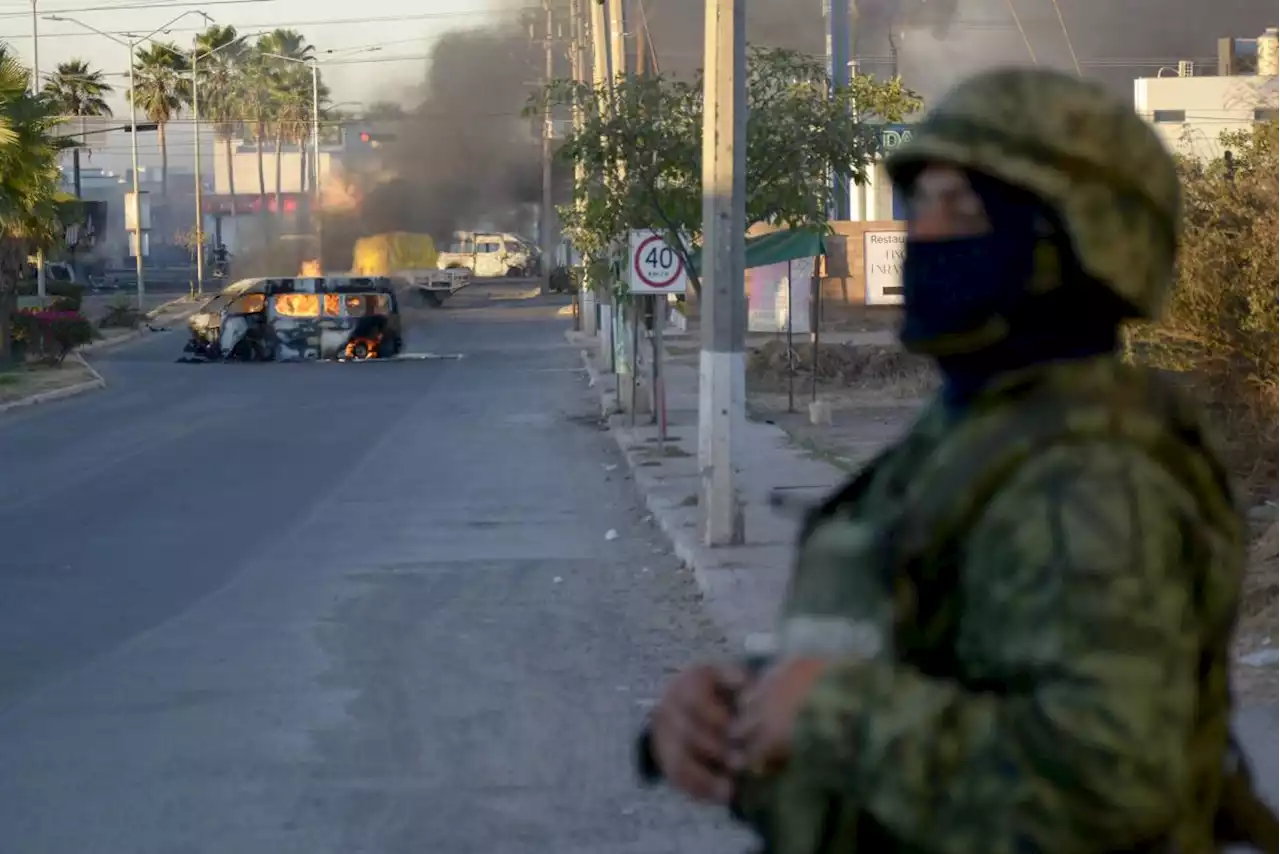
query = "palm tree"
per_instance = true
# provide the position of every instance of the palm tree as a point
(29, 179)
(221, 60)
(163, 84)
(286, 89)
(77, 90)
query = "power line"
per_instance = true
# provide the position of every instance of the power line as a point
(316, 22)
(154, 5)
(1025, 40)
(1067, 36)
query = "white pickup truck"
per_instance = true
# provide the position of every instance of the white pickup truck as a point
(491, 255)
(434, 286)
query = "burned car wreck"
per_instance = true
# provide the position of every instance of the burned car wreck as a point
(287, 319)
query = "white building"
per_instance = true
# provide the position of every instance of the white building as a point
(876, 201)
(1191, 109)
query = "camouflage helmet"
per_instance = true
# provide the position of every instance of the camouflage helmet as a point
(1087, 155)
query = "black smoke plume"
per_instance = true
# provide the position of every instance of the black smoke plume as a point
(465, 158)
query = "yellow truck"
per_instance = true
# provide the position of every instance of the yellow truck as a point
(411, 258)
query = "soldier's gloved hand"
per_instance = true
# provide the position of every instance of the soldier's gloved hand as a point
(767, 711)
(690, 728)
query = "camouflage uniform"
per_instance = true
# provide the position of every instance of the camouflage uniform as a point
(1028, 598)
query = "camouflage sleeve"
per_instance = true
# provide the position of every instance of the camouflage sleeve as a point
(1077, 643)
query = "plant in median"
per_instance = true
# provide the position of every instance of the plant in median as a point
(121, 314)
(51, 334)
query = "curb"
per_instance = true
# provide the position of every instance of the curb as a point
(736, 622)
(135, 334)
(59, 393)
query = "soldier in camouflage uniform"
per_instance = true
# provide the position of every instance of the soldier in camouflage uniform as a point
(1009, 633)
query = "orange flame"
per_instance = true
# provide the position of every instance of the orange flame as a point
(363, 348)
(310, 268)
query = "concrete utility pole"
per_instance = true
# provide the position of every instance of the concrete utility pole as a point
(600, 76)
(578, 64)
(722, 379)
(838, 38)
(41, 284)
(548, 206)
(617, 37)
(195, 126)
(642, 46)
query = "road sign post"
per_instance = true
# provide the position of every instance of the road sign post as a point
(655, 269)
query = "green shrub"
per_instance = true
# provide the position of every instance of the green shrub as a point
(50, 334)
(121, 314)
(1221, 331)
(66, 296)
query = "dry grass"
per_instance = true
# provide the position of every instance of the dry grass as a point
(30, 379)
(888, 370)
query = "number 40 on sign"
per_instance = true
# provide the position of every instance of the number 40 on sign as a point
(654, 267)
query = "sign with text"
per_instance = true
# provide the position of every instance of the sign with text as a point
(654, 267)
(891, 136)
(882, 266)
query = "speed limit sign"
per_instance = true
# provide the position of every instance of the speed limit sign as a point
(655, 267)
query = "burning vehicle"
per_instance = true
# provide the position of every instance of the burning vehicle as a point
(306, 317)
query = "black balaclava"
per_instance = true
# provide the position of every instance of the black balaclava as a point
(1004, 300)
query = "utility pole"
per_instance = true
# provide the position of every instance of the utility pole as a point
(722, 378)
(41, 284)
(195, 124)
(618, 69)
(585, 319)
(548, 207)
(317, 205)
(838, 32)
(594, 313)
(618, 37)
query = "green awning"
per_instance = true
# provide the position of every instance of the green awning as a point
(776, 247)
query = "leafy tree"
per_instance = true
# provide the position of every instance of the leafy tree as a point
(29, 180)
(649, 129)
(162, 80)
(75, 89)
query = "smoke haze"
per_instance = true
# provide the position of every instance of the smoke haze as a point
(465, 159)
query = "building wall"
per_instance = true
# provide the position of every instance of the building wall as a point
(842, 272)
(244, 159)
(1191, 113)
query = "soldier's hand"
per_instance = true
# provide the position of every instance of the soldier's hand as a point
(767, 711)
(690, 728)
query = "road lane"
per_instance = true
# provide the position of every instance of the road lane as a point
(336, 608)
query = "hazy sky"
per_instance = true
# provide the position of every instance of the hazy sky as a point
(405, 30)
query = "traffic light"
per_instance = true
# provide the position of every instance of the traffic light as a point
(373, 140)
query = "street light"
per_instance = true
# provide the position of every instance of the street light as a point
(133, 124)
(315, 127)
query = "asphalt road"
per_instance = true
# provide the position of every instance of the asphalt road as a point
(323, 608)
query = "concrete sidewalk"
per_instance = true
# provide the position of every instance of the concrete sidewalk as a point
(743, 586)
